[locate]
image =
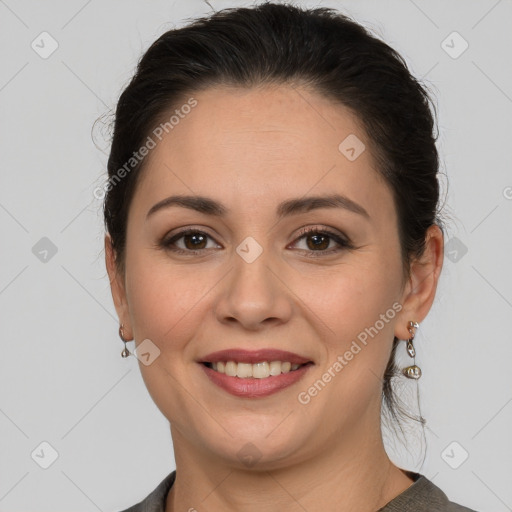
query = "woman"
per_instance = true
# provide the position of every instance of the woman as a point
(272, 240)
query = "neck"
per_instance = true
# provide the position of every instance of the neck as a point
(343, 476)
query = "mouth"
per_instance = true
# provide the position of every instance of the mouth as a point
(261, 370)
(254, 374)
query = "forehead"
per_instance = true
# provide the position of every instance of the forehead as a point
(240, 145)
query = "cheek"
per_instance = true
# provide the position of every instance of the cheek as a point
(169, 302)
(355, 305)
(167, 306)
(355, 317)
(351, 296)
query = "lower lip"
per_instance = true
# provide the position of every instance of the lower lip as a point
(255, 388)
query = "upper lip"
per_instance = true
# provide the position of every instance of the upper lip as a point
(253, 356)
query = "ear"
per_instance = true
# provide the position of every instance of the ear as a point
(420, 290)
(117, 287)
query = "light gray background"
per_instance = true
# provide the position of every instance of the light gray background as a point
(62, 379)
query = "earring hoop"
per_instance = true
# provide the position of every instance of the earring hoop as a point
(125, 352)
(413, 371)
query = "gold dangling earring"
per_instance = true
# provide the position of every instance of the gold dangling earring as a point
(125, 352)
(412, 372)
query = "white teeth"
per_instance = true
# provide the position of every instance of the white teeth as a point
(275, 368)
(258, 371)
(261, 370)
(244, 370)
(230, 368)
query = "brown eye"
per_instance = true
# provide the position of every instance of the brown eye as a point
(317, 241)
(189, 241)
(194, 241)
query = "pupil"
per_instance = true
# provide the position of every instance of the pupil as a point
(197, 237)
(322, 244)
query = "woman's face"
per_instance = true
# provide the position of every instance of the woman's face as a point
(252, 279)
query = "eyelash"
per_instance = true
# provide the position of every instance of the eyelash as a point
(343, 244)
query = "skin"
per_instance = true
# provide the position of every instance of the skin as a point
(250, 150)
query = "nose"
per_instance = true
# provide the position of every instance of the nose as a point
(253, 296)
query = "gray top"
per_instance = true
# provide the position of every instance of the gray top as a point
(421, 496)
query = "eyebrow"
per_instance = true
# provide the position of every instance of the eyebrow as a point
(289, 207)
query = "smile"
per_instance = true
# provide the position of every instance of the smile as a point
(257, 380)
(260, 370)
